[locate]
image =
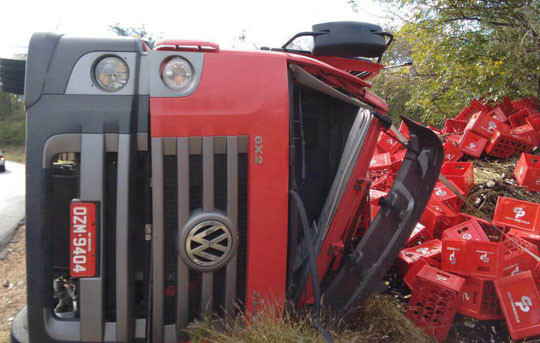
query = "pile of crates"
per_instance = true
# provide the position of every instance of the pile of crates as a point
(458, 263)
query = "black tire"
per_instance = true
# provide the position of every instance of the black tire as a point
(13, 89)
(16, 64)
(9, 79)
(19, 327)
(8, 72)
(2, 168)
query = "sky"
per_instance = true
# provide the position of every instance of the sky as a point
(265, 23)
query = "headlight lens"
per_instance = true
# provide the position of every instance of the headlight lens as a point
(177, 73)
(111, 73)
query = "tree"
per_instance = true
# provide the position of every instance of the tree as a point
(468, 48)
(128, 31)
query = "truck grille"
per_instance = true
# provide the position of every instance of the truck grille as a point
(195, 177)
(190, 177)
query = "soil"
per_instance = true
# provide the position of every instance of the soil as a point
(12, 282)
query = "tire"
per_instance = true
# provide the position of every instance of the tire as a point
(2, 168)
(19, 327)
(12, 74)
(13, 89)
(15, 64)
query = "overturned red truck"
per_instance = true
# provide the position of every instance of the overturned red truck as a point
(169, 183)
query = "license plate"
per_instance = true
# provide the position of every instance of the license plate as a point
(83, 239)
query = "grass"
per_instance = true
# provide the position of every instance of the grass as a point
(14, 153)
(380, 319)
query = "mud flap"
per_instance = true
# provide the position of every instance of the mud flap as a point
(399, 213)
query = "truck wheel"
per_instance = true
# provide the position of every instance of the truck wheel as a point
(19, 327)
(12, 75)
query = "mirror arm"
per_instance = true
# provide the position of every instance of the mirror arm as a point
(303, 34)
(390, 40)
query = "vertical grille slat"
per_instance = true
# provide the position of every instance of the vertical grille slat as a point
(182, 288)
(157, 241)
(232, 213)
(207, 206)
(209, 180)
(125, 318)
(92, 189)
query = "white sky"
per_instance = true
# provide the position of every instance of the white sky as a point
(266, 23)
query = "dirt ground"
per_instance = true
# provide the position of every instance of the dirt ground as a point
(12, 283)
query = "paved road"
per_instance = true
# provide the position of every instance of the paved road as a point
(11, 200)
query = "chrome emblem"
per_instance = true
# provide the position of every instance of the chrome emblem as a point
(209, 245)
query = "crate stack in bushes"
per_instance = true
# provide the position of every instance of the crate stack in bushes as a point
(458, 263)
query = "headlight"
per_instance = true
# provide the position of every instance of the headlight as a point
(177, 73)
(111, 73)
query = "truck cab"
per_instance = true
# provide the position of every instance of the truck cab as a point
(170, 183)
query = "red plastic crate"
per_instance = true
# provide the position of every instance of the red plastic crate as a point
(444, 194)
(534, 121)
(380, 165)
(517, 260)
(451, 152)
(383, 183)
(420, 235)
(519, 118)
(521, 104)
(517, 214)
(478, 300)
(484, 125)
(505, 145)
(499, 113)
(408, 257)
(374, 209)
(529, 236)
(464, 115)
(433, 301)
(409, 278)
(478, 106)
(473, 258)
(460, 173)
(506, 105)
(404, 129)
(520, 304)
(527, 172)
(454, 126)
(527, 133)
(536, 274)
(472, 144)
(438, 217)
(386, 143)
(469, 230)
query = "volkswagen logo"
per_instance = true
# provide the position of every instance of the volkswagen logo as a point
(208, 244)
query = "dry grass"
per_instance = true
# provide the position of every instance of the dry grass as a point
(14, 153)
(12, 283)
(381, 319)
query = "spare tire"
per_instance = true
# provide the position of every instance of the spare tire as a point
(12, 73)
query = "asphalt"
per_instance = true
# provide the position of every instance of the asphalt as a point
(12, 188)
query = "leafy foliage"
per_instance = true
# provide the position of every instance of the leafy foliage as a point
(12, 120)
(462, 49)
(129, 31)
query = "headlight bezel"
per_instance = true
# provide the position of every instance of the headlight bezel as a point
(99, 83)
(192, 77)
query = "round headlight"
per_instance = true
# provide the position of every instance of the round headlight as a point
(111, 73)
(177, 73)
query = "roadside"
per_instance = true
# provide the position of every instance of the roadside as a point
(12, 190)
(15, 153)
(12, 282)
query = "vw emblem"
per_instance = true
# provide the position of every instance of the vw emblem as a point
(207, 245)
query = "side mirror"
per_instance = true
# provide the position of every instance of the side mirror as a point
(350, 39)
